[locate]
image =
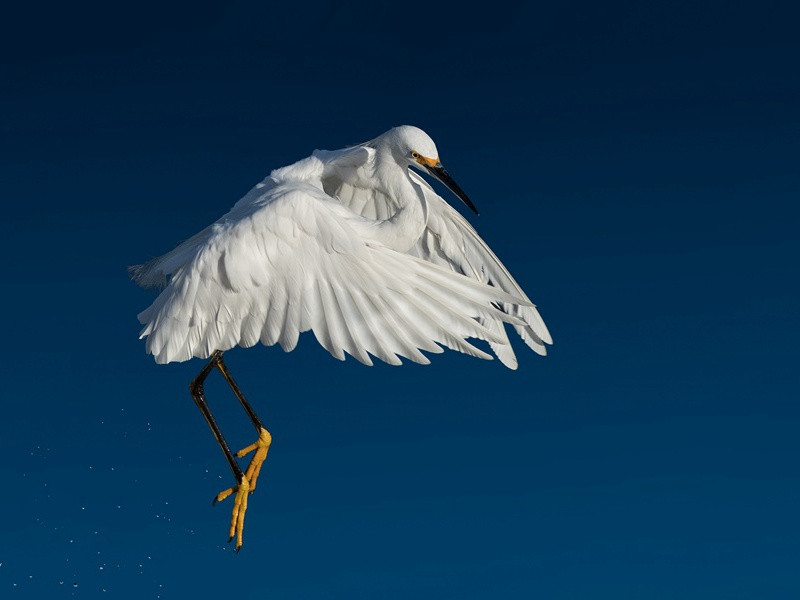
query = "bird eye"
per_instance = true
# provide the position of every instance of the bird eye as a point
(414, 154)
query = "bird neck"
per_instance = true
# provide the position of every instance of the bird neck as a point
(402, 230)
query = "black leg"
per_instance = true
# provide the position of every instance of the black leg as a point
(196, 389)
(246, 481)
(246, 405)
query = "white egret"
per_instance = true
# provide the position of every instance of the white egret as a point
(351, 244)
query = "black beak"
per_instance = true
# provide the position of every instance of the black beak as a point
(443, 176)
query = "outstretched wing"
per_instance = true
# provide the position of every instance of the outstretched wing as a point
(292, 260)
(449, 240)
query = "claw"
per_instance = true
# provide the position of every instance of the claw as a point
(246, 485)
(245, 451)
(224, 494)
(261, 447)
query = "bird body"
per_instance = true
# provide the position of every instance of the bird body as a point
(352, 244)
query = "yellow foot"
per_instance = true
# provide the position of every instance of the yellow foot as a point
(247, 485)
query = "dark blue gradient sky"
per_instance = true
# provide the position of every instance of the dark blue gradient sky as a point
(636, 167)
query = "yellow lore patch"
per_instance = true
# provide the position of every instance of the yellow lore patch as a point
(428, 162)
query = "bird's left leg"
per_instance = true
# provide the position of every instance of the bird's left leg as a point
(260, 447)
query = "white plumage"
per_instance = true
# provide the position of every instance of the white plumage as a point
(350, 244)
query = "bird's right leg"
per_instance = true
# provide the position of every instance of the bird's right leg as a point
(243, 484)
(260, 447)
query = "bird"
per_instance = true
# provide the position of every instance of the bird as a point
(352, 244)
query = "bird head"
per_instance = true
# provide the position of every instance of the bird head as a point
(415, 148)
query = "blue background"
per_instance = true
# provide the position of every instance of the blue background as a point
(636, 166)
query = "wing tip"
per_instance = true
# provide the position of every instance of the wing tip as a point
(147, 276)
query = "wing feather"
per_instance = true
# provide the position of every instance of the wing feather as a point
(291, 260)
(450, 241)
(353, 322)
